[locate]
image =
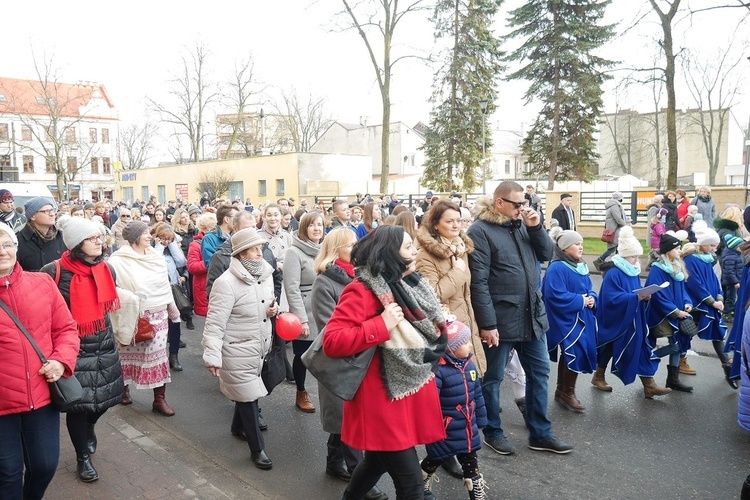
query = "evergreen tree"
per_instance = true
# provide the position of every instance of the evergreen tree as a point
(472, 61)
(559, 38)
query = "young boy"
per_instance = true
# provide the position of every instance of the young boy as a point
(731, 273)
(463, 414)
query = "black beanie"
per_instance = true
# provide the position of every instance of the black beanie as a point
(667, 243)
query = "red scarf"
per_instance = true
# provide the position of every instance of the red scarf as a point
(92, 294)
(346, 266)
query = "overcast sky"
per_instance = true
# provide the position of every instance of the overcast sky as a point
(134, 48)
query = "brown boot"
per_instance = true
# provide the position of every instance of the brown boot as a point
(685, 368)
(599, 381)
(160, 404)
(126, 396)
(560, 377)
(568, 397)
(303, 402)
(650, 389)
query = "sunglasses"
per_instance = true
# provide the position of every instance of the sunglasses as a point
(516, 205)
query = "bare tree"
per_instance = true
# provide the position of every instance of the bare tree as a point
(195, 94)
(214, 182)
(714, 87)
(376, 22)
(137, 142)
(236, 129)
(305, 119)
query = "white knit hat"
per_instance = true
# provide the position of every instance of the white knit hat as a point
(707, 237)
(564, 238)
(7, 230)
(244, 239)
(628, 245)
(77, 229)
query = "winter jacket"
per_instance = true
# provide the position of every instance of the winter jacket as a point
(33, 253)
(237, 334)
(731, 267)
(706, 207)
(98, 365)
(682, 210)
(326, 291)
(372, 421)
(614, 219)
(16, 221)
(452, 286)
(743, 405)
(211, 242)
(197, 269)
(461, 399)
(561, 216)
(299, 275)
(656, 231)
(223, 256)
(671, 221)
(651, 212)
(278, 242)
(50, 324)
(724, 227)
(186, 238)
(505, 274)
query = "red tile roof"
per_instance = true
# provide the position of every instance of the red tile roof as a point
(27, 97)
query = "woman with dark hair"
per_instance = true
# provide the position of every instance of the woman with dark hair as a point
(286, 220)
(87, 285)
(670, 203)
(160, 215)
(370, 220)
(389, 306)
(299, 275)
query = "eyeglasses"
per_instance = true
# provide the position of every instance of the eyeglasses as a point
(9, 202)
(95, 239)
(516, 205)
(8, 247)
(49, 211)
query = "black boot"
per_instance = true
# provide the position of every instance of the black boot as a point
(91, 442)
(452, 467)
(745, 494)
(673, 380)
(174, 363)
(189, 324)
(86, 471)
(727, 373)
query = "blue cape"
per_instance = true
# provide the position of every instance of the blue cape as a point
(665, 301)
(702, 284)
(734, 341)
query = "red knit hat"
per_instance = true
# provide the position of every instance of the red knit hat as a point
(458, 335)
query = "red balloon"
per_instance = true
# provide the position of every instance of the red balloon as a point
(288, 326)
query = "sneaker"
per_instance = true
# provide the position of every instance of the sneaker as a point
(553, 444)
(501, 445)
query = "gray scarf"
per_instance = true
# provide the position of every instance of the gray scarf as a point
(254, 267)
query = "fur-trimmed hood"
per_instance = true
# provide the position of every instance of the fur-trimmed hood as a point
(436, 248)
(720, 223)
(485, 208)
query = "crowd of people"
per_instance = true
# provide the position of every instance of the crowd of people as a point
(446, 299)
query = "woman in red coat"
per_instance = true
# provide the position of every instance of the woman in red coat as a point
(391, 307)
(29, 424)
(196, 265)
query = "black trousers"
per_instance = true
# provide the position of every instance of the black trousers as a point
(246, 418)
(78, 428)
(173, 337)
(402, 466)
(468, 461)
(338, 452)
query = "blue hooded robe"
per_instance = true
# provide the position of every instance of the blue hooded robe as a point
(702, 284)
(666, 301)
(734, 341)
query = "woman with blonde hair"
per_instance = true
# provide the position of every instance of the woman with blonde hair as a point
(706, 205)
(196, 265)
(370, 220)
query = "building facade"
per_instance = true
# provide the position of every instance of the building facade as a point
(64, 136)
(253, 134)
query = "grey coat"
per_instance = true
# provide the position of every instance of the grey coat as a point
(505, 275)
(325, 295)
(615, 219)
(299, 275)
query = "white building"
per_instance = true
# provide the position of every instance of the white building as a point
(64, 136)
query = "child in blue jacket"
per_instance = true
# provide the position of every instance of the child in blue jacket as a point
(464, 414)
(731, 273)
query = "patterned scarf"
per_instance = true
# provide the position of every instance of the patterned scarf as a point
(410, 357)
(455, 245)
(254, 267)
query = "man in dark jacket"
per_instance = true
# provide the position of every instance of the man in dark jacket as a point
(564, 214)
(509, 241)
(39, 242)
(8, 214)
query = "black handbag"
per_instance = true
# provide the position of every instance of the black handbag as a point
(341, 376)
(65, 391)
(273, 371)
(181, 299)
(688, 327)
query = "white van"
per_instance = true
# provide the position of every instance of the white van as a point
(24, 191)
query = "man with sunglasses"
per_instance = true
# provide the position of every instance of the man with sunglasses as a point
(39, 241)
(509, 241)
(8, 213)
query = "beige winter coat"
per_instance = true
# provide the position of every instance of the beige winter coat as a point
(237, 335)
(452, 286)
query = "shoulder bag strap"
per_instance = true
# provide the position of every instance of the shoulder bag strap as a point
(23, 330)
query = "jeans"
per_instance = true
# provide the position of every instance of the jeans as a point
(30, 441)
(173, 337)
(402, 466)
(535, 361)
(730, 299)
(607, 253)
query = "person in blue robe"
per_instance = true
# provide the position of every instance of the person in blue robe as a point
(734, 340)
(570, 302)
(669, 306)
(621, 316)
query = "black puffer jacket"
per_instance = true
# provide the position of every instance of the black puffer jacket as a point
(98, 365)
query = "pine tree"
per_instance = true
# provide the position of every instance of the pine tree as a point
(559, 38)
(472, 62)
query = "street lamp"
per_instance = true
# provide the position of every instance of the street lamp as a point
(483, 106)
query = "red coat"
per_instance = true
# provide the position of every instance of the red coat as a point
(197, 269)
(373, 422)
(682, 210)
(36, 301)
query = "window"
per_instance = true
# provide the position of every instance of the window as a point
(3, 98)
(4, 135)
(49, 133)
(507, 166)
(41, 101)
(127, 193)
(162, 190)
(279, 187)
(28, 164)
(4, 162)
(25, 133)
(261, 188)
(106, 168)
(94, 165)
(72, 164)
(144, 194)
(49, 165)
(70, 136)
(92, 135)
(105, 136)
